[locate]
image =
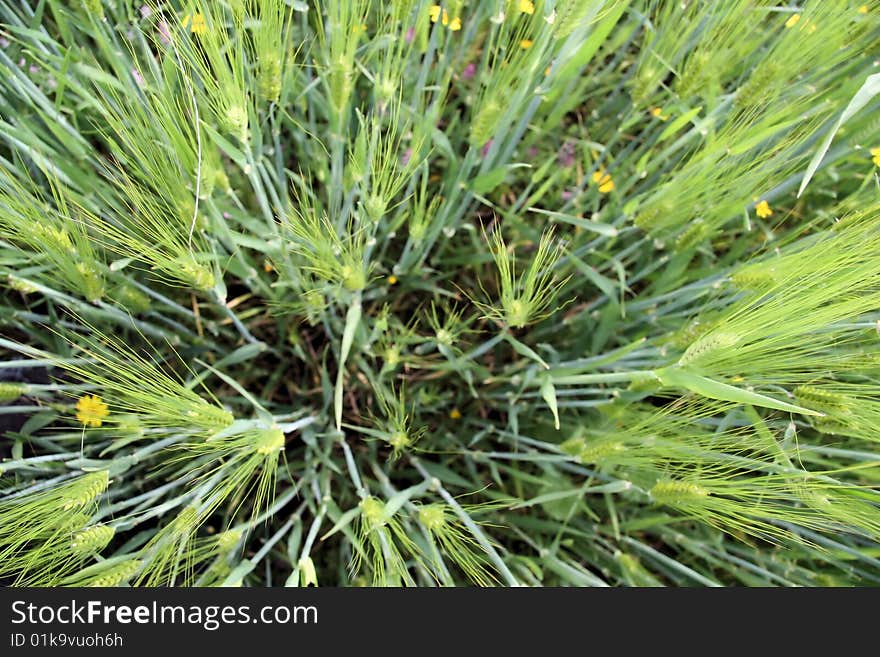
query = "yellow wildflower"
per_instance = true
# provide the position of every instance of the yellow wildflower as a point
(455, 414)
(762, 209)
(792, 21)
(527, 7)
(525, 44)
(657, 112)
(392, 280)
(196, 23)
(863, 9)
(606, 184)
(436, 12)
(90, 410)
(875, 156)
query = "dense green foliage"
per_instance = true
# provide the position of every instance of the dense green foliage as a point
(364, 292)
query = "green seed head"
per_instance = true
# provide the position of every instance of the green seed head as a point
(227, 540)
(91, 540)
(399, 440)
(391, 355)
(199, 276)
(754, 277)
(339, 77)
(236, 121)
(485, 121)
(677, 492)
(270, 441)
(87, 488)
(652, 216)
(116, 575)
(11, 391)
(211, 417)
(20, 285)
(692, 237)
(270, 77)
(54, 238)
(444, 337)
(375, 207)
(94, 8)
(517, 313)
(92, 281)
(185, 522)
(703, 348)
(353, 278)
(595, 454)
(131, 298)
(385, 89)
(433, 517)
(757, 88)
(699, 74)
(570, 15)
(373, 511)
(821, 400)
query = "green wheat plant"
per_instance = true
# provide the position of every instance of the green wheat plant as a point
(408, 293)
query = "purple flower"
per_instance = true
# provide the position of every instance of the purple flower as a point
(404, 160)
(566, 154)
(410, 34)
(164, 32)
(484, 151)
(138, 78)
(533, 152)
(469, 71)
(4, 42)
(33, 69)
(146, 11)
(567, 194)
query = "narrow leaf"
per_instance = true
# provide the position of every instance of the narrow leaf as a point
(682, 378)
(352, 319)
(548, 392)
(869, 89)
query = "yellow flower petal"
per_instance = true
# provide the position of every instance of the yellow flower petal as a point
(455, 25)
(762, 209)
(527, 7)
(90, 410)
(606, 184)
(791, 22)
(195, 22)
(525, 44)
(863, 9)
(434, 12)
